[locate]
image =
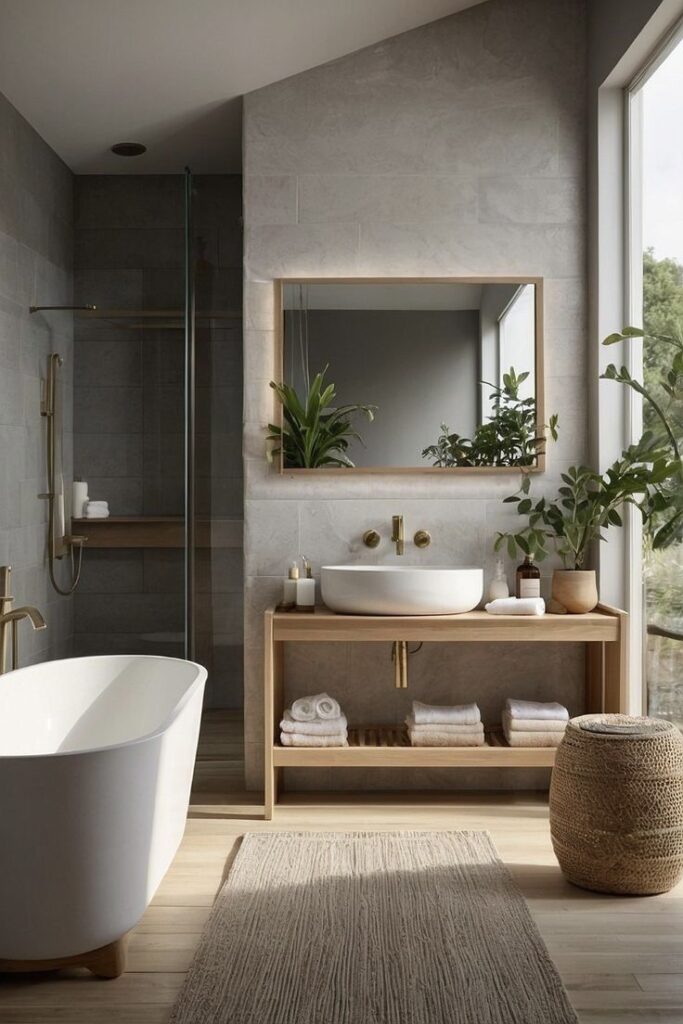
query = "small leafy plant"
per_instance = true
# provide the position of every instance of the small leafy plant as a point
(511, 437)
(588, 503)
(314, 433)
(648, 476)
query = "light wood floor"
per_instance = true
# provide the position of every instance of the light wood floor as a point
(621, 959)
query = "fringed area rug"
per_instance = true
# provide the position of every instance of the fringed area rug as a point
(371, 928)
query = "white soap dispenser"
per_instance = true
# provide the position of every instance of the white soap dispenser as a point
(289, 590)
(498, 587)
(305, 588)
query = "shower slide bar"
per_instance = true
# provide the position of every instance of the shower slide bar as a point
(59, 543)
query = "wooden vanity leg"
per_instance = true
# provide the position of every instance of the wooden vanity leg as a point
(595, 652)
(616, 669)
(273, 709)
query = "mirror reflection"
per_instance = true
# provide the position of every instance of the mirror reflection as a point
(408, 374)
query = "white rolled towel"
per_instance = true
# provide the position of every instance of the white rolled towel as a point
(300, 739)
(320, 705)
(316, 727)
(327, 707)
(460, 714)
(457, 728)
(516, 606)
(536, 709)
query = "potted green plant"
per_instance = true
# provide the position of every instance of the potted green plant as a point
(648, 476)
(315, 433)
(510, 437)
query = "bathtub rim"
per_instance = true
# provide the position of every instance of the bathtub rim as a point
(197, 683)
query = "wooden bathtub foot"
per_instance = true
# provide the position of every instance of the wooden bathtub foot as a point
(109, 961)
(105, 962)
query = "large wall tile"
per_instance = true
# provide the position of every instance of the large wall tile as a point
(393, 199)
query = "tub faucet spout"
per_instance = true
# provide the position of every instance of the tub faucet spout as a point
(397, 533)
(9, 620)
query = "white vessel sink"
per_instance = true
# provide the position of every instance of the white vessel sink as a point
(401, 590)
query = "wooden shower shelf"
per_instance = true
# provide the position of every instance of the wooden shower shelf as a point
(603, 631)
(389, 746)
(131, 531)
(154, 319)
(156, 532)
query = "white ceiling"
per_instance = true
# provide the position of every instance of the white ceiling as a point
(170, 73)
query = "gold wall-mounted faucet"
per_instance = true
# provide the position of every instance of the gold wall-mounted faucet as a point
(397, 534)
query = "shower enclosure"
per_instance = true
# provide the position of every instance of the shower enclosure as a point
(158, 419)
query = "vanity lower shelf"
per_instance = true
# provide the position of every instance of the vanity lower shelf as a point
(388, 746)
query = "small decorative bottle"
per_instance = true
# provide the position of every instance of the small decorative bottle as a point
(289, 590)
(498, 587)
(528, 578)
(305, 588)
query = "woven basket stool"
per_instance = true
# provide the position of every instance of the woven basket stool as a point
(616, 804)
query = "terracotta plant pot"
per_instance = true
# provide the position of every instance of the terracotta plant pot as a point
(576, 589)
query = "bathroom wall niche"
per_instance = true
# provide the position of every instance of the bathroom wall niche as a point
(452, 369)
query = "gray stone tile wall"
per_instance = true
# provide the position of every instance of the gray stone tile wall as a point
(36, 261)
(454, 149)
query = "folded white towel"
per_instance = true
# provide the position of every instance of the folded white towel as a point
(93, 503)
(300, 739)
(437, 738)
(533, 739)
(456, 728)
(320, 705)
(460, 714)
(536, 709)
(516, 606)
(315, 726)
(533, 724)
(96, 513)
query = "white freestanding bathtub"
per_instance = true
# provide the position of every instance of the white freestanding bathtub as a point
(96, 761)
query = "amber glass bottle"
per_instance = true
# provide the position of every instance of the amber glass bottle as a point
(528, 578)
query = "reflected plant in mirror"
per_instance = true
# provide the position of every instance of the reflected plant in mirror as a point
(466, 352)
(315, 432)
(511, 437)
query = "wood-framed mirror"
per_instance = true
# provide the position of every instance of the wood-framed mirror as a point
(428, 375)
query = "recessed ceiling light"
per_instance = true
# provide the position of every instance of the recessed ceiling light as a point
(128, 149)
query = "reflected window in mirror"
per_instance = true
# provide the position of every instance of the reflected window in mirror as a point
(425, 374)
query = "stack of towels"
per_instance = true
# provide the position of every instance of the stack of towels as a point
(529, 723)
(96, 509)
(315, 721)
(434, 726)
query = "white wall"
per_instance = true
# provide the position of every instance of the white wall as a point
(457, 148)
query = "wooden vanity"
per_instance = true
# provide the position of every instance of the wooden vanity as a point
(604, 631)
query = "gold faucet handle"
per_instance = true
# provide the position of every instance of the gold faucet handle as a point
(422, 539)
(371, 538)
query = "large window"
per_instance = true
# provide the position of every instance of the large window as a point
(656, 300)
